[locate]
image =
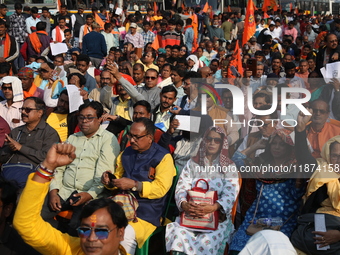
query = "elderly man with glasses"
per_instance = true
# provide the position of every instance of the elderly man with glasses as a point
(96, 152)
(147, 170)
(29, 143)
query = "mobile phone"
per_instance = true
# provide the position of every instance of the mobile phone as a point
(252, 66)
(225, 64)
(111, 176)
(234, 71)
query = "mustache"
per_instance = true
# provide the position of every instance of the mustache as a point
(24, 115)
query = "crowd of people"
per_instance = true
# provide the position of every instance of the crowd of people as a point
(137, 77)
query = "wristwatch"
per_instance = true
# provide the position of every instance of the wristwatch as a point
(134, 188)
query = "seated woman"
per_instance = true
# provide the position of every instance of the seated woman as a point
(165, 77)
(323, 190)
(278, 196)
(213, 152)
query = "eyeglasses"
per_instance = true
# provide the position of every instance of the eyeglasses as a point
(27, 109)
(5, 88)
(150, 77)
(216, 140)
(43, 70)
(333, 41)
(87, 118)
(101, 233)
(183, 50)
(319, 111)
(135, 137)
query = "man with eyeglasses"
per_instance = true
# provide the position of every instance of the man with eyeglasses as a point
(102, 221)
(29, 143)
(9, 108)
(96, 152)
(147, 170)
(329, 53)
(319, 131)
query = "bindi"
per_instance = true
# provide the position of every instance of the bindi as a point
(93, 220)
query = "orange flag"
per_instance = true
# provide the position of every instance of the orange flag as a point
(290, 7)
(99, 21)
(265, 15)
(235, 61)
(206, 7)
(249, 23)
(296, 11)
(183, 6)
(155, 8)
(269, 3)
(155, 44)
(229, 9)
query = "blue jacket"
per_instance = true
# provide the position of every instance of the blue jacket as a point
(94, 45)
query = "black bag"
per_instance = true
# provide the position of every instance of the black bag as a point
(302, 237)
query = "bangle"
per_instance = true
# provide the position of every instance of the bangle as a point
(46, 169)
(43, 175)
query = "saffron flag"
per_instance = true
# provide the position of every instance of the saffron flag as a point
(249, 23)
(155, 7)
(290, 7)
(296, 11)
(269, 3)
(206, 7)
(235, 61)
(155, 44)
(229, 9)
(99, 20)
(265, 16)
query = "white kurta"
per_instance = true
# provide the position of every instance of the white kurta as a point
(181, 239)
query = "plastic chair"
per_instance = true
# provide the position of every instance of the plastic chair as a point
(144, 250)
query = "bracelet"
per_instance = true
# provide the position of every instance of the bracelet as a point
(46, 169)
(43, 176)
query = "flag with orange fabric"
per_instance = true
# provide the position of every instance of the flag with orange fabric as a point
(229, 9)
(206, 7)
(290, 7)
(99, 20)
(194, 19)
(249, 23)
(235, 61)
(296, 11)
(269, 3)
(155, 44)
(265, 15)
(155, 7)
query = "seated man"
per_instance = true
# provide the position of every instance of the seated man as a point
(9, 108)
(96, 152)
(147, 169)
(30, 142)
(102, 221)
(26, 75)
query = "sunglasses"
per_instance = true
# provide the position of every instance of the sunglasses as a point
(5, 88)
(43, 70)
(27, 110)
(216, 140)
(101, 233)
(150, 77)
(183, 50)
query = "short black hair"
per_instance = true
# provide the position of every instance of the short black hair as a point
(67, 31)
(89, 16)
(3, 22)
(5, 67)
(273, 115)
(39, 103)
(152, 70)
(94, 105)
(64, 91)
(115, 210)
(83, 57)
(17, 6)
(192, 75)
(41, 26)
(61, 18)
(138, 66)
(169, 89)
(180, 71)
(41, 58)
(148, 124)
(176, 47)
(45, 9)
(107, 25)
(3, 6)
(82, 79)
(34, 10)
(144, 103)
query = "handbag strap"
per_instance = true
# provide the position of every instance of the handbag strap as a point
(17, 140)
(206, 183)
(257, 203)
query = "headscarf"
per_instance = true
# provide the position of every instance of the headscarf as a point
(266, 157)
(18, 94)
(326, 175)
(224, 154)
(196, 65)
(26, 72)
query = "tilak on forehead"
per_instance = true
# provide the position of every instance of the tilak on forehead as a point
(93, 220)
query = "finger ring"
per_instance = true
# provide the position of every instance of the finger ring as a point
(323, 239)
